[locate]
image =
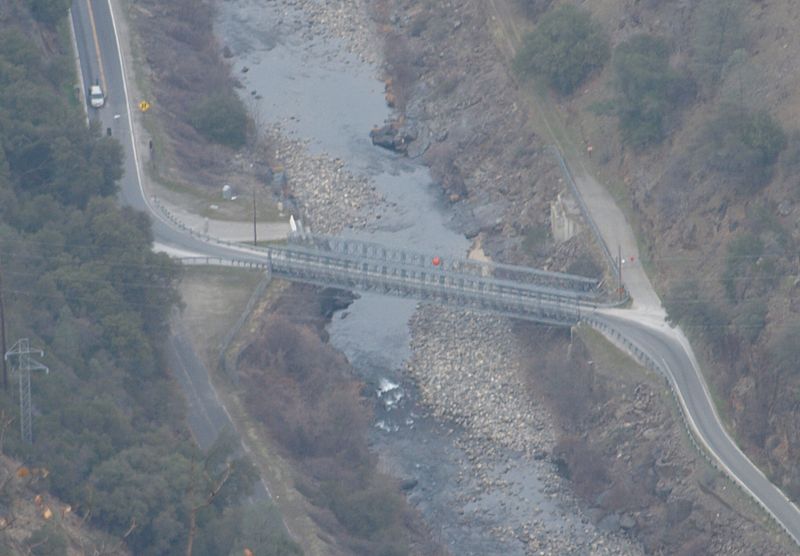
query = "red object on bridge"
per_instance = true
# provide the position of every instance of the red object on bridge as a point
(437, 261)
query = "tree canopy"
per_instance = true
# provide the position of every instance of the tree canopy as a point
(744, 145)
(222, 118)
(80, 279)
(649, 90)
(565, 48)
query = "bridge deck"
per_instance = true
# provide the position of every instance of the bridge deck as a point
(452, 284)
(364, 250)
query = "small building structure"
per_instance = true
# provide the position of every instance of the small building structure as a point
(565, 218)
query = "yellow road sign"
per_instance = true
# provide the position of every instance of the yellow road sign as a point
(144, 106)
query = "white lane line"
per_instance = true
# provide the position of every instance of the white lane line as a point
(81, 82)
(128, 108)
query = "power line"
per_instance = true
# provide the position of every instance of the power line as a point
(3, 335)
(663, 258)
(25, 364)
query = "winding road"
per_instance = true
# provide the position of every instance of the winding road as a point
(641, 330)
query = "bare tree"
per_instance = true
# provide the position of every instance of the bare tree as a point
(215, 487)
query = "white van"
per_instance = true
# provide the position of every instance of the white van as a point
(96, 97)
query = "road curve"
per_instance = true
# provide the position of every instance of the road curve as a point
(96, 39)
(665, 349)
(662, 349)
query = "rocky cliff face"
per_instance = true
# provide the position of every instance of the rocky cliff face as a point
(450, 80)
(708, 219)
(720, 234)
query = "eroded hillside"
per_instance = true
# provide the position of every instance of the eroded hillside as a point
(716, 199)
(689, 119)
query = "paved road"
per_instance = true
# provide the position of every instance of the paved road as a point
(660, 343)
(644, 326)
(98, 49)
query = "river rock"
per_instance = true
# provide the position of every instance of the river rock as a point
(393, 136)
(627, 521)
(610, 523)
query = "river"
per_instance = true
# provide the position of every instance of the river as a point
(318, 91)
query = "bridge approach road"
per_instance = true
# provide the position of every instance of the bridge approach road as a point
(669, 350)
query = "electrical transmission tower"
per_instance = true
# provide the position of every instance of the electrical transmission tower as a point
(25, 364)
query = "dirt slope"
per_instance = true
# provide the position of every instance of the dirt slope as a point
(488, 135)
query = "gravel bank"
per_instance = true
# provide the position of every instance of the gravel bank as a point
(346, 20)
(325, 194)
(468, 369)
(467, 366)
(330, 198)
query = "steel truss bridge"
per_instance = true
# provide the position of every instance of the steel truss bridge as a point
(547, 297)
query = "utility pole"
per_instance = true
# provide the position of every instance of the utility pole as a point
(25, 364)
(619, 270)
(255, 239)
(3, 336)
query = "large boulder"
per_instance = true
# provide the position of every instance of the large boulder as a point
(393, 136)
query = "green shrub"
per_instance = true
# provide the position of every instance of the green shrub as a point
(222, 118)
(584, 265)
(48, 11)
(785, 350)
(649, 90)
(685, 307)
(532, 8)
(364, 512)
(717, 32)
(565, 48)
(790, 157)
(743, 145)
(48, 540)
(534, 239)
(750, 319)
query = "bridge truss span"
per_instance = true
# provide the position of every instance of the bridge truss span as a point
(369, 251)
(435, 285)
(394, 275)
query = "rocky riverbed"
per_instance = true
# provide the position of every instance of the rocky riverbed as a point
(329, 196)
(468, 369)
(491, 489)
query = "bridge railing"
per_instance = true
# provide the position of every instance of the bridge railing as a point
(353, 261)
(647, 360)
(364, 250)
(587, 216)
(520, 301)
(554, 310)
(223, 261)
(374, 251)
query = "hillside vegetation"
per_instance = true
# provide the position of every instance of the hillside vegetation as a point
(689, 122)
(79, 279)
(696, 118)
(303, 392)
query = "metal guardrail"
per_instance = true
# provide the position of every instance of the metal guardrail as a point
(481, 293)
(232, 370)
(612, 262)
(375, 251)
(647, 360)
